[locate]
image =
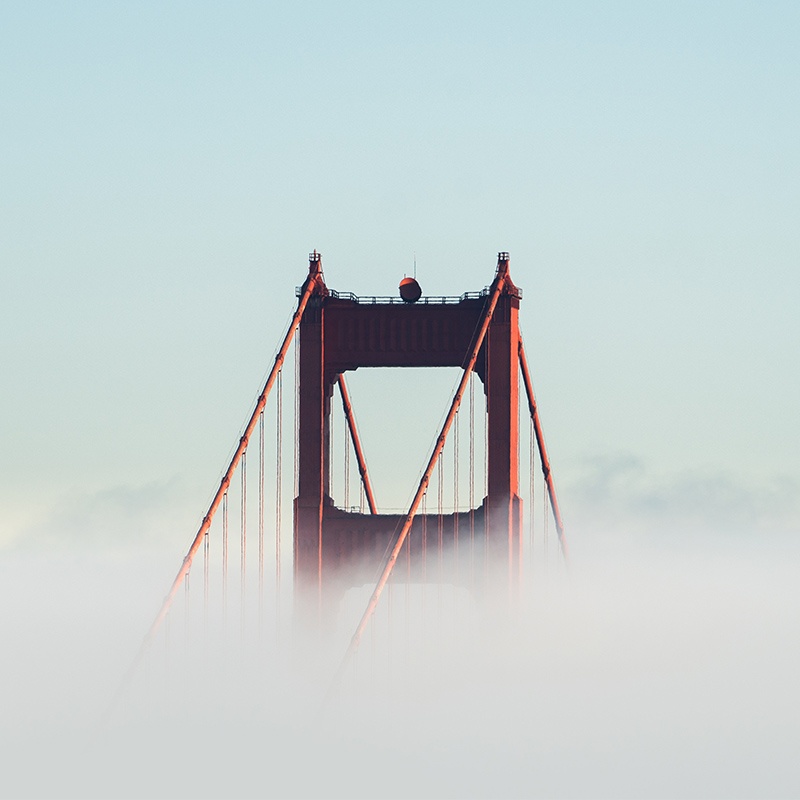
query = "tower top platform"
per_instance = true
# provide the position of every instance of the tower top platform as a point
(432, 300)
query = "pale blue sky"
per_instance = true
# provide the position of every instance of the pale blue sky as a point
(166, 168)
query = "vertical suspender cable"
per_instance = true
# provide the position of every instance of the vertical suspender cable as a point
(488, 370)
(296, 426)
(389, 636)
(408, 586)
(278, 490)
(243, 525)
(206, 560)
(261, 521)
(424, 546)
(516, 580)
(486, 473)
(531, 490)
(545, 521)
(225, 557)
(455, 493)
(440, 524)
(167, 647)
(186, 600)
(424, 538)
(472, 476)
(346, 445)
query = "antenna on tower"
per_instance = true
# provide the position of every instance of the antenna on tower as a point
(415, 265)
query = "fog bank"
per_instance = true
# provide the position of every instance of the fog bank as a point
(649, 670)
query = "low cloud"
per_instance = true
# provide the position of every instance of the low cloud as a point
(653, 674)
(117, 517)
(623, 491)
(663, 664)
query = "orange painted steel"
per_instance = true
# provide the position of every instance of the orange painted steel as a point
(315, 276)
(496, 289)
(335, 548)
(362, 464)
(546, 471)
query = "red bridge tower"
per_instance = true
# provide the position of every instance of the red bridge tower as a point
(335, 548)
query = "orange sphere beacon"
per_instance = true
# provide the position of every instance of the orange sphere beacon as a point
(410, 290)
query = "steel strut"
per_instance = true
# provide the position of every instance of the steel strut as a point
(546, 471)
(308, 290)
(362, 464)
(497, 288)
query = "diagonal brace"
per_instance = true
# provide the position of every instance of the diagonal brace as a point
(362, 464)
(546, 471)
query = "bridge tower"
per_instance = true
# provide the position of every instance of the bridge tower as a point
(335, 548)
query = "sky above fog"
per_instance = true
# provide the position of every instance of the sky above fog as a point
(166, 168)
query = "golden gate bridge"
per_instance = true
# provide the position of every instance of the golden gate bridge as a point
(471, 520)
